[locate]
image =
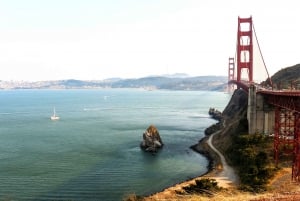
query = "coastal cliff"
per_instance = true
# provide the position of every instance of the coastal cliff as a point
(235, 124)
(233, 121)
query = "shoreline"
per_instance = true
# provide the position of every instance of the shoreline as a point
(214, 167)
(217, 167)
(202, 147)
(281, 186)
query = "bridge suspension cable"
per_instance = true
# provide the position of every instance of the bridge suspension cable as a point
(269, 78)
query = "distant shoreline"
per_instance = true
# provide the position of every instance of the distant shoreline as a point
(207, 83)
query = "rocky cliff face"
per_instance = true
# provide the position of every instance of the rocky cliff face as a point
(235, 118)
(237, 106)
(234, 121)
(151, 140)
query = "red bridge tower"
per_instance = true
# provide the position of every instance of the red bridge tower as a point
(244, 48)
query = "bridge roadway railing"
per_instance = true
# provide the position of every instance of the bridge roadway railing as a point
(287, 99)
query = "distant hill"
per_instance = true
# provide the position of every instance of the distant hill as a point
(215, 83)
(182, 82)
(287, 78)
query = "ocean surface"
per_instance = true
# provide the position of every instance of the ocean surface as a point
(92, 152)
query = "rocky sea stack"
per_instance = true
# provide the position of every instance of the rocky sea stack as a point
(151, 140)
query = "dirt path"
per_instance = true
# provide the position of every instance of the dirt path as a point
(226, 176)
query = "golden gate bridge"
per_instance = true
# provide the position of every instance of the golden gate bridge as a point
(270, 111)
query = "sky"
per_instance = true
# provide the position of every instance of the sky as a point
(99, 39)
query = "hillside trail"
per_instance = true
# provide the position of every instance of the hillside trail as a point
(226, 177)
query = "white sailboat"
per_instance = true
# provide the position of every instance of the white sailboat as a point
(54, 117)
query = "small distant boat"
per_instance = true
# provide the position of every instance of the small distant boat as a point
(54, 116)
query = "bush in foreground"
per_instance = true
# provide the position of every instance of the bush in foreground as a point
(203, 187)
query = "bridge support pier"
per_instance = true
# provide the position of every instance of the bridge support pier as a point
(259, 114)
(251, 111)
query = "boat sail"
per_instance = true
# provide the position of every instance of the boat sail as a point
(54, 116)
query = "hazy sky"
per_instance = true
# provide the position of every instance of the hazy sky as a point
(97, 39)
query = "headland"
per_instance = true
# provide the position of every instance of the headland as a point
(279, 186)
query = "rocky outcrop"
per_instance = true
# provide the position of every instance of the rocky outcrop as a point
(151, 140)
(213, 128)
(215, 114)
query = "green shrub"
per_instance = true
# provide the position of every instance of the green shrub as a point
(203, 186)
(250, 155)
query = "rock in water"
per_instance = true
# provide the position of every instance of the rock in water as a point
(151, 139)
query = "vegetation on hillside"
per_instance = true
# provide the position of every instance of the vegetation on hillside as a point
(253, 159)
(287, 78)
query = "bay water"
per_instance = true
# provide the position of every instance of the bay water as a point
(92, 152)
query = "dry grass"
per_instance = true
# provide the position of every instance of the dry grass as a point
(228, 195)
(281, 188)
